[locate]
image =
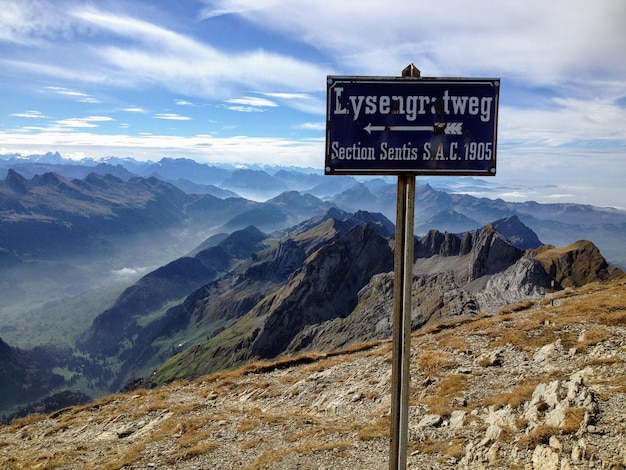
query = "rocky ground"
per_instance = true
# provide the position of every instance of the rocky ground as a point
(540, 385)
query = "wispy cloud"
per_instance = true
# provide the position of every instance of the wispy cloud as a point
(135, 109)
(451, 36)
(249, 104)
(86, 122)
(562, 96)
(79, 95)
(304, 102)
(179, 62)
(563, 122)
(183, 103)
(172, 117)
(312, 126)
(30, 114)
(216, 8)
(279, 151)
(28, 23)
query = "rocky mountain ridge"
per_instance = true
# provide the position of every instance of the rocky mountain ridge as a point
(453, 276)
(320, 285)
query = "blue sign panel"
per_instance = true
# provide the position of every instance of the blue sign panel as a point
(421, 126)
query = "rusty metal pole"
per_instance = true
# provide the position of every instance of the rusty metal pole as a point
(403, 279)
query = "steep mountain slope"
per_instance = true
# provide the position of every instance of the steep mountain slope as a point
(537, 386)
(254, 184)
(117, 326)
(325, 287)
(227, 309)
(28, 374)
(574, 265)
(557, 224)
(454, 276)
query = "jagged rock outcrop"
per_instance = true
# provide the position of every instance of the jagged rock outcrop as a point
(517, 233)
(524, 280)
(454, 276)
(574, 265)
(324, 288)
(491, 253)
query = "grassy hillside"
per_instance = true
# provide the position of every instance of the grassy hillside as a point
(538, 385)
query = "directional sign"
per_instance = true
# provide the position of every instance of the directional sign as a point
(420, 126)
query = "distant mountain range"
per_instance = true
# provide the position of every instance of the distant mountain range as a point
(438, 205)
(233, 279)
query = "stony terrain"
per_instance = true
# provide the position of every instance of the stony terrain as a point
(538, 385)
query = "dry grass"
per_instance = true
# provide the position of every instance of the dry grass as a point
(26, 420)
(193, 450)
(429, 446)
(593, 336)
(597, 306)
(505, 336)
(573, 419)
(515, 397)
(439, 400)
(268, 459)
(517, 307)
(126, 458)
(450, 340)
(539, 435)
(247, 425)
(431, 362)
(456, 450)
(376, 430)
(182, 430)
(297, 436)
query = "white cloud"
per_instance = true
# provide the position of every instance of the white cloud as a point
(304, 102)
(227, 7)
(149, 53)
(203, 148)
(181, 63)
(89, 100)
(82, 97)
(31, 114)
(312, 126)
(82, 122)
(537, 41)
(252, 101)
(565, 121)
(130, 273)
(562, 96)
(533, 42)
(172, 117)
(249, 104)
(30, 22)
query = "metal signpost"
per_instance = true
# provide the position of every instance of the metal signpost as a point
(409, 126)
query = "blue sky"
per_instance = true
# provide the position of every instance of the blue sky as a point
(243, 81)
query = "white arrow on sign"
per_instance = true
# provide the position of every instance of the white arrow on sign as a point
(452, 128)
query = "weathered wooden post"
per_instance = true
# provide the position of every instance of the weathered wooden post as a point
(403, 279)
